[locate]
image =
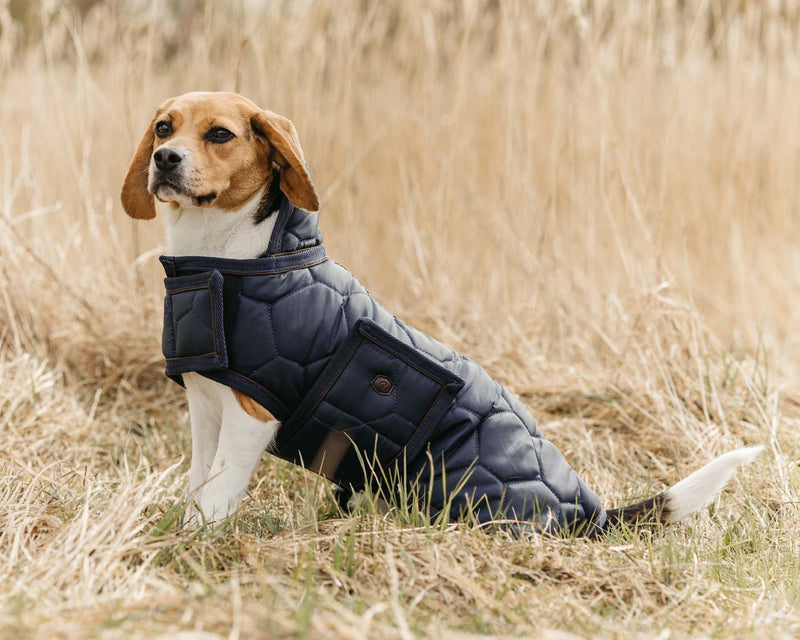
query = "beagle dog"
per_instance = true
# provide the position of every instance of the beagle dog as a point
(216, 167)
(204, 164)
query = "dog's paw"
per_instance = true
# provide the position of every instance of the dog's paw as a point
(359, 501)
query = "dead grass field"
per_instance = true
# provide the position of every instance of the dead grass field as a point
(599, 201)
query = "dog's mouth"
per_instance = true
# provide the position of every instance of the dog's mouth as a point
(168, 191)
(206, 199)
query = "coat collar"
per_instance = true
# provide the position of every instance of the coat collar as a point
(294, 229)
(296, 243)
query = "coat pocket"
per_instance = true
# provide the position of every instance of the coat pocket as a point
(375, 404)
(194, 337)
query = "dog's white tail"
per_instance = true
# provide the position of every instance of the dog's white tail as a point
(687, 496)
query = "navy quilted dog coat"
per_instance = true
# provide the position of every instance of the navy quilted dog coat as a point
(363, 397)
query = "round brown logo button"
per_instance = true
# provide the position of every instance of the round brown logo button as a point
(383, 385)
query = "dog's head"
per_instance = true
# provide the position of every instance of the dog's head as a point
(215, 149)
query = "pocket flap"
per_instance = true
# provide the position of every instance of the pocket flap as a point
(377, 401)
(194, 337)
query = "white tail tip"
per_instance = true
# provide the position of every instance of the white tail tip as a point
(703, 486)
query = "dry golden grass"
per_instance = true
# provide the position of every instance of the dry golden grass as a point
(598, 201)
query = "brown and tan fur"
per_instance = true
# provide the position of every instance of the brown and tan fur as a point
(236, 170)
(252, 408)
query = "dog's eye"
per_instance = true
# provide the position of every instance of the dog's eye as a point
(163, 129)
(219, 134)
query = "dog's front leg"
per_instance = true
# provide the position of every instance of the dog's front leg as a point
(205, 414)
(242, 440)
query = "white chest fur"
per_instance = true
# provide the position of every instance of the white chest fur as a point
(208, 231)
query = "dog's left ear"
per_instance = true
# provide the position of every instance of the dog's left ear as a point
(296, 181)
(137, 201)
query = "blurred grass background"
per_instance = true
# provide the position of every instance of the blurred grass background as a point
(596, 200)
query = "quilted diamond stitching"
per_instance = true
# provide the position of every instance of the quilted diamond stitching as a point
(201, 320)
(255, 372)
(546, 484)
(475, 414)
(187, 311)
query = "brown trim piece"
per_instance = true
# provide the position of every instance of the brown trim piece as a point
(201, 355)
(293, 252)
(184, 290)
(271, 273)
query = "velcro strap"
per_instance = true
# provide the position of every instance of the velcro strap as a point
(194, 336)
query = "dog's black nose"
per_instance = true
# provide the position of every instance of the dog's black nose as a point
(167, 159)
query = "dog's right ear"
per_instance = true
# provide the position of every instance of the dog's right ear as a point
(137, 201)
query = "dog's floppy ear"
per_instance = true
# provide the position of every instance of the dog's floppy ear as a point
(295, 177)
(137, 201)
